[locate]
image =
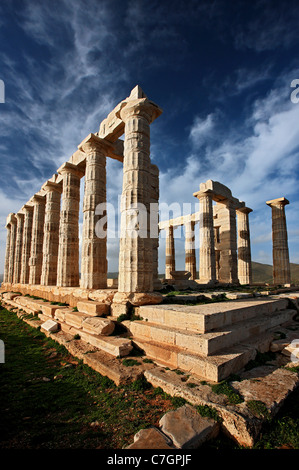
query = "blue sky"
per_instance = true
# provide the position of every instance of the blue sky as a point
(220, 70)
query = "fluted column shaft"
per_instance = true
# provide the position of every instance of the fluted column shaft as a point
(36, 256)
(169, 252)
(136, 254)
(51, 233)
(190, 258)
(281, 262)
(13, 234)
(94, 233)
(207, 266)
(26, 249)
(68, 251)
(155, 219)
(7, 254)
(228, 271)
(244, 250)
(18, 248)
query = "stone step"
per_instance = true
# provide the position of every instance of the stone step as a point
(214, 368)
(207, 317)
(93, 308)
(114, 345)
(208, 343)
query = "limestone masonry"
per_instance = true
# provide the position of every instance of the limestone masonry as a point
(213, 336)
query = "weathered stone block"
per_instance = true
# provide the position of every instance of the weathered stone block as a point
(92, 308)
(98, 326)
(50, 325)
(187, 429)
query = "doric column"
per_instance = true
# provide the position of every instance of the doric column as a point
(68, 251)
(94, 233)
(13, 233)
(281, 262)
(155, 221)
(8, 226)
(136, 257)
(244, 251)
(190, 259)
(7, 249)
(36, 255)
(18, 248)
(51, 233)
(27, 235)
(207, 263)
(169, 252)
(228, 270)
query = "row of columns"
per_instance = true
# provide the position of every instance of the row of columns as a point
(43, 238)
(227, 259)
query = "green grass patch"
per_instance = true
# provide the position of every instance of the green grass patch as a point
(224, 388)
(51, 400)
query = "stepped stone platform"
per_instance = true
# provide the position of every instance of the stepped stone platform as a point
(211, 341)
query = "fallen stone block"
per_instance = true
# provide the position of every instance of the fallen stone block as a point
(51, 326)
(75, 318)
(50, 310)
(93, 308)
(9, 295)
(150, 438)
(98, 326)
(187, 429)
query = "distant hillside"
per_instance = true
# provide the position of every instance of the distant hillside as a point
(264, 272)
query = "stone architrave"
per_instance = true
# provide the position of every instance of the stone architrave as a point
(27, 235)
(244, 250)
(190, 258)
(94, 233)
(68, 251)
(207, 262)
(169, 252)
(51, 233)
(18, 248)
(281, 262)
(136, 250)
(36, 254)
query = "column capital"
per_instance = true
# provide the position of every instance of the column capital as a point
(68, 167)
(139, 107)
(280, 201)
(50, 186)
(244, 210)
(27, 208)
(38, 199)
(19, 215)
(94, 143)
(207, 193)
(11, 219)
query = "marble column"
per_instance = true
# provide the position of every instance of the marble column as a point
(94, 233)
(244, 250)
(207, 262)
(26, 249)
(36, 254)
(51, 233)
(68, 251)
(154, 220)
(190, 258)
(228, 262)
(136, 254)
(8, 248)
(169, 253)
(281, 262)
(13, 234)
(18, 248)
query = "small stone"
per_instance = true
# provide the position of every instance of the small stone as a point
(187, 429)
(150, 438)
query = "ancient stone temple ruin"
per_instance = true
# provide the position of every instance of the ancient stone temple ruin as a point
(225, 254)
(208, 340)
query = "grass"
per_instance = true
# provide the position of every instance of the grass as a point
(50, 400)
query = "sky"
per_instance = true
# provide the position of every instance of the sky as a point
(225, 74)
